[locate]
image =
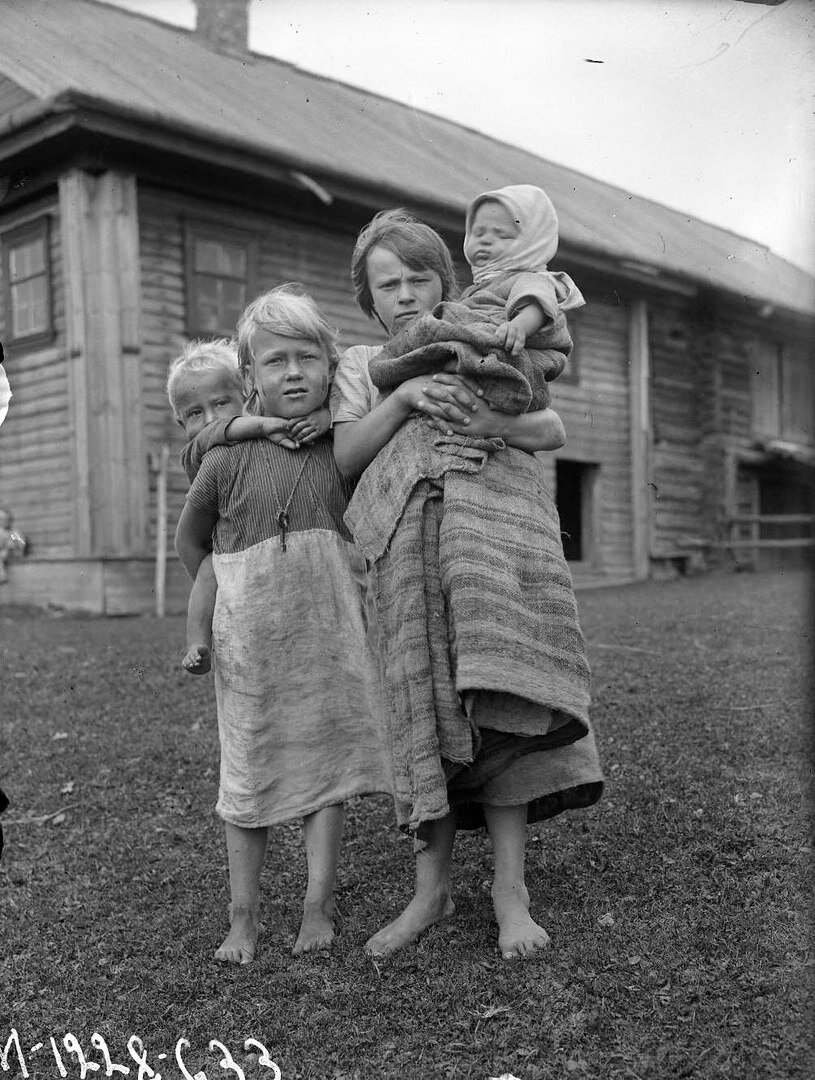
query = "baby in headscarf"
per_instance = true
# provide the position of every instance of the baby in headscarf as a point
(511, 234)
(507, 334)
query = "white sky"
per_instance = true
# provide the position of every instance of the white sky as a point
(704, 105)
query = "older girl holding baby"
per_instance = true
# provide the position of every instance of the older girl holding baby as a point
(296, 685)
(484, 660)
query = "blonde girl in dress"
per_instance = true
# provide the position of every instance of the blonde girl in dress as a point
(296, 684)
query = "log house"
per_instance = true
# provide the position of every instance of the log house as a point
(156, 179)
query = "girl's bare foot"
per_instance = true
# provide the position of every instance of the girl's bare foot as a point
(422, 911)
(197, 660)
(519, 936)
(239, 944)
(316, 929)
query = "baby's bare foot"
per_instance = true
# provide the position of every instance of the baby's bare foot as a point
(239, 944)
(316, 929)
(519, 936)
(421, 913)
(197, 660)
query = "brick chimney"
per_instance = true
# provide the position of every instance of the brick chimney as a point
(224, 24)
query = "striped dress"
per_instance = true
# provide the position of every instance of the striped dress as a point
(297, 685)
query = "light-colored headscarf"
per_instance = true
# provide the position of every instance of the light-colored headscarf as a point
(536, 243)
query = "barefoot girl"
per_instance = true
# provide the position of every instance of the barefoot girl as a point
(296, 685)
(205, 389)
(487, 682)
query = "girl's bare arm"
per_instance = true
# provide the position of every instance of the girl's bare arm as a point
(357, 442)
(193, 537)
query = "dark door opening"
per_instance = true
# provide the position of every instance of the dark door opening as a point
(570, 499)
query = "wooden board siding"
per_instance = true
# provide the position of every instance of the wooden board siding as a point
(36, 440)
(287, 251)
(595, 412)
(736, 343)
(676, 402)
(100, 236)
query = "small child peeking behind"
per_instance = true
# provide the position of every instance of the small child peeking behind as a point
(296, 683)
(206, 391)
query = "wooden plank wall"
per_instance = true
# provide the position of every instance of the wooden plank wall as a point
(677, 401)
(37, 440)
(595, 412)
(100, 232)
(734, 336)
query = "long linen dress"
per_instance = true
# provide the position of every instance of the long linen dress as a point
(297, 685)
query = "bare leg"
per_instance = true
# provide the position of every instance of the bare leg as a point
(518, 933)
(245, 849)
(431, 899)
(199, 620)
(322, 833)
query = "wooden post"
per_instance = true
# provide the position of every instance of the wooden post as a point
(640, 438)
(100, 245)
(159, 464)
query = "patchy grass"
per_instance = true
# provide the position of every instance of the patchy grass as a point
(678, 906)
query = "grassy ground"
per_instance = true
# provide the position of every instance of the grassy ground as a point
(677, 907)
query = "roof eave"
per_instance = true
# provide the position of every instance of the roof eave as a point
(34, 123)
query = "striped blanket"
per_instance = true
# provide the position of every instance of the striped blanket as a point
(456, 338)
(473, 593)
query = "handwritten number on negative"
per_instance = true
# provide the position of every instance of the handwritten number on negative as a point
(99, 1043)
(263, 1058)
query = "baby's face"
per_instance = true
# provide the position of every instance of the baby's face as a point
(493, 231)
(204, 396)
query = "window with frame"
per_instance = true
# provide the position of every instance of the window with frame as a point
(220, 265)
(27, 282)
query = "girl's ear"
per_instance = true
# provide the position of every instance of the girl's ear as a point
(249, 392)
(248, 381)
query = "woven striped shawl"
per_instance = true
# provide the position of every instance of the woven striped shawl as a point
(473, 592)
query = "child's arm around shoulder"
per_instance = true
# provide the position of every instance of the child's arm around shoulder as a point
(231, 430)
(307, 429)
(288, 433)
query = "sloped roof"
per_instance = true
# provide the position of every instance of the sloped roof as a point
(167, 76)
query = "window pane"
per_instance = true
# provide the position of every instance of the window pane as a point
(207, 305)
(233, 301)
(218, 257)
(218, 305)
(29, 308)
(26, 260)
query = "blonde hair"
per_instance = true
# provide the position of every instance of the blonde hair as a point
(289, 311)
(199, 356)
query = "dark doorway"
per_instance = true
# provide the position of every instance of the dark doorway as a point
(571, 500)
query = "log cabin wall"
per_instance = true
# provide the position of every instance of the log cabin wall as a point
(679, 393)
(762, 369)
(592, 397)
(38, 448)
